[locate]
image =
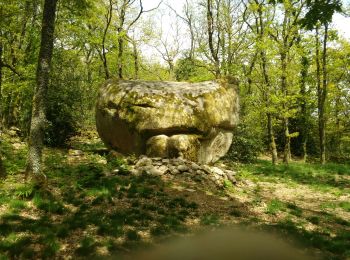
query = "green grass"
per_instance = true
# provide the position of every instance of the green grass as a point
(86, 207)
(95, 196)
(17, 204)
(274, 206)
(24, 190)
(15, 159)
(345, 205)
(321, 177)
(210, 220)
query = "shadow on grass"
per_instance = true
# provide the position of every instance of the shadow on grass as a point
(312, 174)
(327, 232)
(334, 246)
(88, 211)
(93, 211)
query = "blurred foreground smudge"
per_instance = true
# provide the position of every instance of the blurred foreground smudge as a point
(233, 243)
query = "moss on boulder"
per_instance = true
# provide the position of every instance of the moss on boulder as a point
(167, 119)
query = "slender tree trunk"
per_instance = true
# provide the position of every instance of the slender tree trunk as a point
(273, 148)
(210, 25)
(38, 120)
(1, 50)
(120, 55)
(323, 97)
(303, 106)
(287, 153)
(272, 139)
(260, 31)
(136, 60)
(108, 22)
(2, 169)
(191, 55)
(338, 136)
(120, 31)
(248, 75)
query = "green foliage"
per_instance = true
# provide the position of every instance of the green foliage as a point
(245, 145)
(320, 11)
(191, 70)
(67, 102)
(24, 190)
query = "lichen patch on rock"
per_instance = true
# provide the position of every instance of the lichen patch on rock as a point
(168, 119)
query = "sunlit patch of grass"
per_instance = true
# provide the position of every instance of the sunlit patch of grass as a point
(320, 177)
(328, 205)
(15, 159)
(4, 199)
(17, 204)
(99, 194)
(25, 190)
(345, 205)
(89, 147)
(274, 206)
(16, 245)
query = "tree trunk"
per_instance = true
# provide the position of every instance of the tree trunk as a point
(338, 135)
(120, 55)
(210, 28)
(323, 96)
(108, 22)
(2, 169)
(287, 153)
(120, 31)
(1, 50)
(303, 106)
(136, 60)
(38, 120)
(273, 148)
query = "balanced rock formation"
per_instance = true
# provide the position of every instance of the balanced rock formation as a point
(168, 119)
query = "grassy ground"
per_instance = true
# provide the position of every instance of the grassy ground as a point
(89, 211)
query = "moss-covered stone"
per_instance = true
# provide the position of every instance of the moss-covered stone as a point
(128, 113)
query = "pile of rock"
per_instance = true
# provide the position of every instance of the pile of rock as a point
(182, 167)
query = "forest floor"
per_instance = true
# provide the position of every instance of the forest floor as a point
(88, 210)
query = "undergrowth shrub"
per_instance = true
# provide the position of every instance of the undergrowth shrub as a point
(246, 146)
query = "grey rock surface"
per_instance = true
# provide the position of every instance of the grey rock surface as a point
(168, 119)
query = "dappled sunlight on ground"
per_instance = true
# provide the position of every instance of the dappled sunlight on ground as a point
(90, 210)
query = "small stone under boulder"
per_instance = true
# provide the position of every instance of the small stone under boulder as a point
(193, 121)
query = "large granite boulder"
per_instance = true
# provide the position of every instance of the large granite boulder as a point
(168, 119)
